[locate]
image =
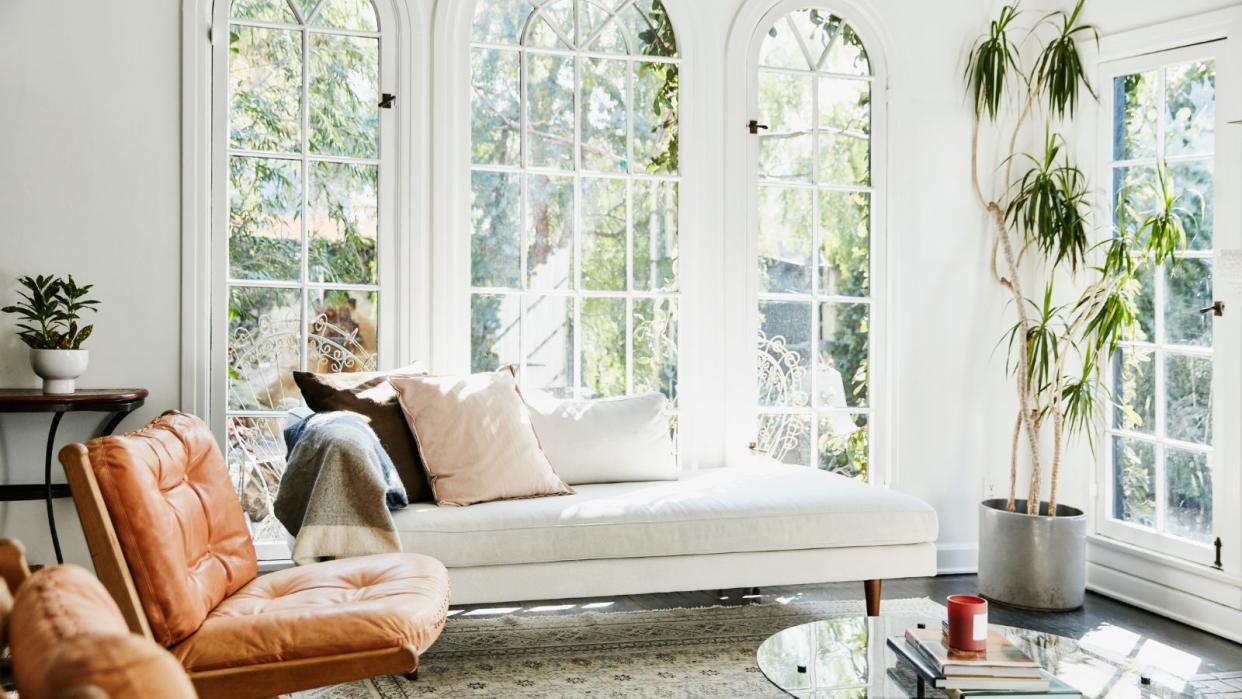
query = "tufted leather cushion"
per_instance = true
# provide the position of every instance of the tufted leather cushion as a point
(330, 608)
(68, 634)
(179, 523)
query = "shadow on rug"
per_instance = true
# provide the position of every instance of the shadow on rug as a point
(697, 652)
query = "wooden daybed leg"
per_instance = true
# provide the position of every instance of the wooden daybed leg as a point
(872, 589)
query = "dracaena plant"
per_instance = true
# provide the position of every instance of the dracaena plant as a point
(50, 310)
(1023, 82)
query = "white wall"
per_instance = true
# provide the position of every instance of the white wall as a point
(89, 184)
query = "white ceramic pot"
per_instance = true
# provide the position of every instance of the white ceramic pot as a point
(59, 369)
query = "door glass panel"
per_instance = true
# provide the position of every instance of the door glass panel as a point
(1161, 379)
(813, 238)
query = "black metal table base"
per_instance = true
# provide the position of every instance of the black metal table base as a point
(49, 493)
(115, 403)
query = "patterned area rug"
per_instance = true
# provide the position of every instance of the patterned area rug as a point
(700, 652)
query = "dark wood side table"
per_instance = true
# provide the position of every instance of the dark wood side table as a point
(117, 401)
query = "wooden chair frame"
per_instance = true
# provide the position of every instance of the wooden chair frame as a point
(261, 680)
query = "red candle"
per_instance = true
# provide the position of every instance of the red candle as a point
(968, 623)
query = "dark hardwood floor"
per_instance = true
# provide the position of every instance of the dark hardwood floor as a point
(1214, 654)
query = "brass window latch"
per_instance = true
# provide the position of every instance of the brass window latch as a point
(1217, 544)
(387, 100)
(753, 126)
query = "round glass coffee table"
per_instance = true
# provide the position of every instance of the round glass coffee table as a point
(849, 657)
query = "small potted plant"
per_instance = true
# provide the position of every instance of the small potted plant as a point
(48, 314)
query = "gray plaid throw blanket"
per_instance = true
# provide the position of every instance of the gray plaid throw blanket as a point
(338, 489)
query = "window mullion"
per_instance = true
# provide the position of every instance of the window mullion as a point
(303, 330)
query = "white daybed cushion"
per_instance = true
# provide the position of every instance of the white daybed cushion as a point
(608, 440)
(768, 507)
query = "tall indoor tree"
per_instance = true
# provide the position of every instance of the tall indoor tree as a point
(1027, 84)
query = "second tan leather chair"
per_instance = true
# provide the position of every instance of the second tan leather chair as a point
(70, 640)
(170, 542)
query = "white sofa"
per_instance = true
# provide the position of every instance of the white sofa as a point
(746, 526)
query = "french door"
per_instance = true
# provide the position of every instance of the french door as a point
(1169, 476)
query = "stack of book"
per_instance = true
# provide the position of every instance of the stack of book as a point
(1001, 670)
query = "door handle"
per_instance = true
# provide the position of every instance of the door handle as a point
(753, 126)
(1216, 309)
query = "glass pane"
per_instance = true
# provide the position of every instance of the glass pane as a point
(495, 111)
(603, 115)
(1134, 481)
(256, 457)
(1190, 115)
(344, 95)
(600, 33)
(785, 243)
(656, 100)
(1188, 396)
(495, 252)
(845, 136)
(494, 333)
(655, 235)
(265, 89)
(549, 338)
(785, 106)
(1192, 181)
(843, 444)
(1145, 305)
(784, 358)
(1135, 196)
(603, 234)
(786, 438)
(847, 55)
(500, 21)
(264, 347)
(844, 353)
(343, 223)
(550, 232)
(554, 26)
(550, 108)
(655, 346)
(342, 331)
(1134, 390)
(1135, 110)
(1189, 489)
(1188, 288)
(265, 230)
(844, 243)
(603, 347)
(649, 28)
(347, 14)
(271, 10)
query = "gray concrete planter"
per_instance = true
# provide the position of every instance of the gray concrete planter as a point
(1032, 562)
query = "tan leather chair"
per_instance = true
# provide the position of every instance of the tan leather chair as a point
(70, 640)
(169, 541)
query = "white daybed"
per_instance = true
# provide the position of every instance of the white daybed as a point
(746, 526)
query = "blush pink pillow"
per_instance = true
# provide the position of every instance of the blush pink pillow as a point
(475, 438)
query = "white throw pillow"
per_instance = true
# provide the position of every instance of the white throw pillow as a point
(610, 440)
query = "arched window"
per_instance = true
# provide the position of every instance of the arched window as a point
(813, 232)
(574, 246)
(305, 156)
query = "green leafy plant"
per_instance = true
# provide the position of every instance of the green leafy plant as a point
(49, 311)
(1057, 352)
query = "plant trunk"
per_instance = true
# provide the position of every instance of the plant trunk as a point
(1010, 505)
(1058, 426)
(1024, 372)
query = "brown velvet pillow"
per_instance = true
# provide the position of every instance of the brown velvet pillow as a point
(369, 394)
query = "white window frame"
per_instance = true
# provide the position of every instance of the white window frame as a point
(742, 327)
(1225, 377)
(577, 294)
(405, 298)
(1179, 563)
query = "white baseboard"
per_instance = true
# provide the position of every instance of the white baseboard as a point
(1166, 601)
(957, 558)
